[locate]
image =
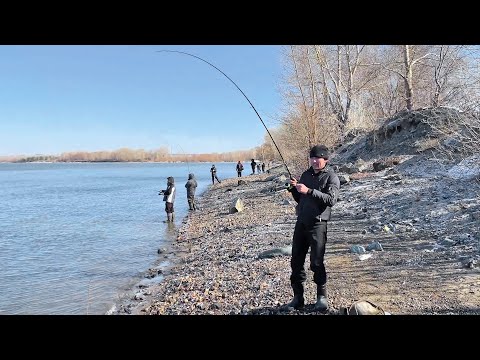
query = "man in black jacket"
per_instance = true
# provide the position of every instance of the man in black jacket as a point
(316, 192)
(213, 170)
(239, 169)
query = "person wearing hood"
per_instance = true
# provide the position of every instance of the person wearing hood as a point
(169, 198)
(316, 192)
(213, 170)
(239, 169)
(191, 186)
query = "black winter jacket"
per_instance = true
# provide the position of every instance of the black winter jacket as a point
(317, 204)
(191, 185)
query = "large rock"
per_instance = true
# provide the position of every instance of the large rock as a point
(385, 163)
(281, 179)
(348, 168)
(363, 307)
(285, 251)
(237, 206)
(343, 179)
(468, 168)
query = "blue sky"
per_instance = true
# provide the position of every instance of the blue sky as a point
(101, 97)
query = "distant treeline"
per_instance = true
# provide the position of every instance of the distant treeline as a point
(129, 155)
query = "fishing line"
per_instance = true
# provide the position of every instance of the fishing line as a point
(188, 165)
(233, 82)
(185, 157)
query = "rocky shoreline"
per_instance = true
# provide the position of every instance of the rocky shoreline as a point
(222, 263)
(404, 235)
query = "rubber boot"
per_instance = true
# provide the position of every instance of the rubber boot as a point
(322, 301)
(298, 301)
(169, 217)
(173, 216)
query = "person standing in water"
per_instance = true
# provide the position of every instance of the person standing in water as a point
(169, 198)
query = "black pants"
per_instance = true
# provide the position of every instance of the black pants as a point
(239, 174)
(315, 237)
(169, 207)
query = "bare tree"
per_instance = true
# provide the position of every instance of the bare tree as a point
(332, 91)
(455, 75)
(305, 82)
(346, 73)
(411, 56)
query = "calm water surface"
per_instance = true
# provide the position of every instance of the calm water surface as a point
(75, 237)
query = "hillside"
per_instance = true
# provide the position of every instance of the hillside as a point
(419, 210)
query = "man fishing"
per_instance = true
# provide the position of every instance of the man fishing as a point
(316, 192)
(239, 169)
(169, 198)
(213, 170)
(191, 186)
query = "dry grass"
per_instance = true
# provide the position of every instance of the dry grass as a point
(424, 144)
(363, 175)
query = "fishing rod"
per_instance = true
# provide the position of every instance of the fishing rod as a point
(233, 82)
(160, 192)
(185, 156)
(188, 165)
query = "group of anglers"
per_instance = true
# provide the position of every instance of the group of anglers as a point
(170, 191)
(191, 186)
(254, 164)
(316, 192)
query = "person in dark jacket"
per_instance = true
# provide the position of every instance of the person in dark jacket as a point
(239, 169)
(191, 186)
(169, 198)
(316, 192)
(213, 170)
(253, 164)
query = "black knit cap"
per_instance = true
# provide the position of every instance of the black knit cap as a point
(319, 151)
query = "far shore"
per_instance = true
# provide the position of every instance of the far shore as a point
(112, 162)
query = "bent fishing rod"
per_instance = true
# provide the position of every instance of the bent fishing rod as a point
(170, 152)
(233, 82)
(185, 157)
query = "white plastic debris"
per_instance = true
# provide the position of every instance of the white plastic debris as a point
(362, 257)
